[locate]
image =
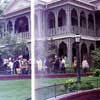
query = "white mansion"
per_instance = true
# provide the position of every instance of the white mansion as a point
(61, 20)
(15, 20)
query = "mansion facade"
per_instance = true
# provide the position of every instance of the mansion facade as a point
(15, 20)
(61, 20)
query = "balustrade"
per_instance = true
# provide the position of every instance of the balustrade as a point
(24, 35)
(83, 30)
(91, 32)
(56, 31)
(74, 29)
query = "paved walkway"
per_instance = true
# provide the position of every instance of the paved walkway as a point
(61, 75)
(14, 77)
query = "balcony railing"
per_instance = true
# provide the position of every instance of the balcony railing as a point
(91, 32)
(74, 29)
(83, 30)
(56, 31)
(23, 36)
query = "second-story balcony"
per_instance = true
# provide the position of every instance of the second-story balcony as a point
(57, 31)
(83, 30)
(73, 30)
(24, 36)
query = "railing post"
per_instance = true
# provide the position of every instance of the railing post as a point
(97, 83)
(55, 90)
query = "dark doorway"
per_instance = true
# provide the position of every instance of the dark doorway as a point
(62, 50)
(73, 51)
(84, 51)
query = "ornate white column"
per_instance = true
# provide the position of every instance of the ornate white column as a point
(56, 20)
(29, 23)
(13, 26)
(87, 24)
(94, 25)
(78, 21)
(69, 51)
(68, 12)
(6, 22)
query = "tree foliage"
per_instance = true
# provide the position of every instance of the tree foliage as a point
(96, 57)
(10, 47)
(52, 49)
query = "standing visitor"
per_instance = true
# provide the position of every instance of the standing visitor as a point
(10, 65)
(39, 65)
(75, 64)
(15, 65)
(56, 64)
(85, 65)
(63, 70)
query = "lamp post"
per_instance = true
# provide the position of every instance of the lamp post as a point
(77, 40)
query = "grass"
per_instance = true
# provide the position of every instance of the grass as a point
(47, 92)
(42, 82)
(15, 89)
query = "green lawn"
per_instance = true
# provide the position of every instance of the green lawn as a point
(47, 92)
(42, 82)
(15, 89)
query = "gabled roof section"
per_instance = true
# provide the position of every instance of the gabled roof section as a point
(17, 5)
(40, 2)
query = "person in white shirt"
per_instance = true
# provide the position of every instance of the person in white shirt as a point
(10, 65)
(63, 65)
(85, 65)
(39, 65)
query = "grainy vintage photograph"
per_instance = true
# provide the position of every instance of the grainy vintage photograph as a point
(15, 50)
(67, 49)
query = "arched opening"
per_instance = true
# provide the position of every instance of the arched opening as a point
(61, 18)
(62, 49)
(82, 20)
(35, 22)
(21, 24)
(74, 18)
(91, 48)
(84, 53)
(90, 22)
(51, 20)
(73, 51)
(9, 27)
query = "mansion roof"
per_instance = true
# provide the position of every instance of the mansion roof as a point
(95, 4)
(16, 5)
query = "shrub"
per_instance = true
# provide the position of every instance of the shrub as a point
(72, 86)
(97, 72)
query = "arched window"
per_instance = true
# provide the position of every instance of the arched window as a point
(9, 26)
(74, 18)
(61, 18)
(82, 19)
(90, 22)
(51, 20)
(21, 24)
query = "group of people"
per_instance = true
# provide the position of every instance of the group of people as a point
(58, 65)
(15, 65)
(84, 65)
(55, 65)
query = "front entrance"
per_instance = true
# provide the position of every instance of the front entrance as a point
(73, 51)
(62, 49)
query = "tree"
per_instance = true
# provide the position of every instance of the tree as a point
(52, 49)
(10, 46)
(96, 57)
